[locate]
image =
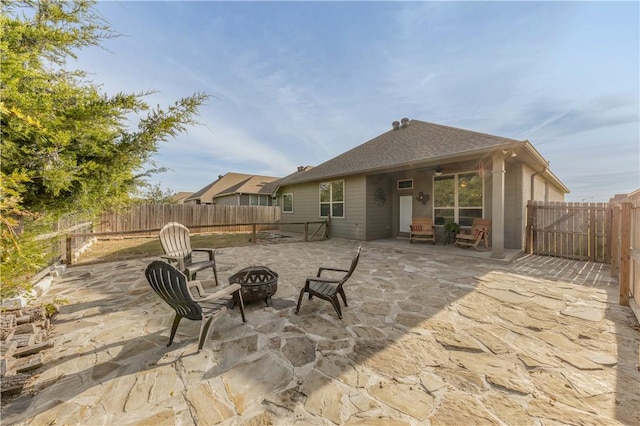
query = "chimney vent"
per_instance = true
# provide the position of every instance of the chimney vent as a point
(395, 125)
(404, 122)
(300, 168)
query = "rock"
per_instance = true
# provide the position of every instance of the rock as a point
(340, 368)
(548, 409)
(207, 407)
(588, 313)
(457, 408)
(300, 350)
(507, 408)
(244, 389)
(458, 342)
(411, 400)
(407, 356)
(324, 398)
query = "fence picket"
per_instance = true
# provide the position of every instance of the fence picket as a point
(568, 229)
(151, 216)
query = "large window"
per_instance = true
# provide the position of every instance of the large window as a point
(458, 198)
(332, 198)
(287, 203)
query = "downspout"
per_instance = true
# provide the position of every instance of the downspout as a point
(528, 244)
(533, 179)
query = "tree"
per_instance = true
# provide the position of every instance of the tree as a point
(65, 145)
(154, 194)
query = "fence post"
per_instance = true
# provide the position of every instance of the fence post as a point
(68, 250)
(615, 241)
(306, 232)
(528, 237)
(253, 231)
(592, 232)
(625, 253)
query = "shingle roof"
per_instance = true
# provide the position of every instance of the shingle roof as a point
(179, 197)
(233, 183)
(418, 142)
(253, 185)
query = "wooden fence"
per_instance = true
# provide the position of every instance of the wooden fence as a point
(155, 216)
(625, 244)
(568, 230)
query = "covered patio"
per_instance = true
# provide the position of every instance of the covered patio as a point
(429, 335)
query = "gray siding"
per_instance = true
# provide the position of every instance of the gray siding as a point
(306, 207)
(513, 213)
(229, 200)
(378, 216)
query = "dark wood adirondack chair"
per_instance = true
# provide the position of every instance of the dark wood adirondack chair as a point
(172, 287)
(176, 244)
(328, 288)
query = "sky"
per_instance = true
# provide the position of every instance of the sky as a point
(298, 83)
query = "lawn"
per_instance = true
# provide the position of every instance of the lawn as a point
(112, 249)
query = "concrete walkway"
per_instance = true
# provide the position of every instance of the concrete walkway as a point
(428, 338)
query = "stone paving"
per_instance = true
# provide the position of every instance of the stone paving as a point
(427, 338)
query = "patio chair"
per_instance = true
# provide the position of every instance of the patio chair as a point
(172, 287)
(327, 288)
(176, 244)
(479, 232)
(421, 230)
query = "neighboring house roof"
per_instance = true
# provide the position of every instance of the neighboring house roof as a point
(416, 143)
(252, 185)
(179, 197)
(234, 183)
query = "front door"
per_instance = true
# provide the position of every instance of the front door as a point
(406, 212)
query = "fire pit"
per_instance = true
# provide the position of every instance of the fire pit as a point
(257, 282)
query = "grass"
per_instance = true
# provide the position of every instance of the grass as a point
(109, 250)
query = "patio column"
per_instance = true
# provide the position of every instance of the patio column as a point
(497, 206)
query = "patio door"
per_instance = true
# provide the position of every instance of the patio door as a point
(406, 212)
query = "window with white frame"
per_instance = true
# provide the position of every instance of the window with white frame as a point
(287, 203)
(458, 198)
(332, 198)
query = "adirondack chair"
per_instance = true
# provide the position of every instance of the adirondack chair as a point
(172, 287)
(479, 232)
(421, 230)
(328, 288)
(176, 244)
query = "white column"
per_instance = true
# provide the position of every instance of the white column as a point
(497, 206)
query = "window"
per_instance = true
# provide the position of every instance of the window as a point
(458, 198)
(405, 184)
(287, 203)
(258, 200)
(332, 198)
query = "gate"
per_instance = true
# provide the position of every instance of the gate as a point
(568, 230)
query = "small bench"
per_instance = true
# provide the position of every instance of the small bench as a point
(422, 230)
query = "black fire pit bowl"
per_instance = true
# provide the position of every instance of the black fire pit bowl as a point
(257, 282)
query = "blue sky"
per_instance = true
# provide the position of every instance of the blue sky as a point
(297, 83)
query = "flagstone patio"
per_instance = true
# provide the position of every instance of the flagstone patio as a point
(428, 337)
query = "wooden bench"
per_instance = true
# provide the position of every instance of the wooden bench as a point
(422, 230)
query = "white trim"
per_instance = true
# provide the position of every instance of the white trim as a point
(331, 202)
(283, 203)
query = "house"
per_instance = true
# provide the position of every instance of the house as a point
(236, 189)
(180, 197)
(420, 169)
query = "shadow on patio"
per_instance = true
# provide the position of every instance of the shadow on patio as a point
(427, 336)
